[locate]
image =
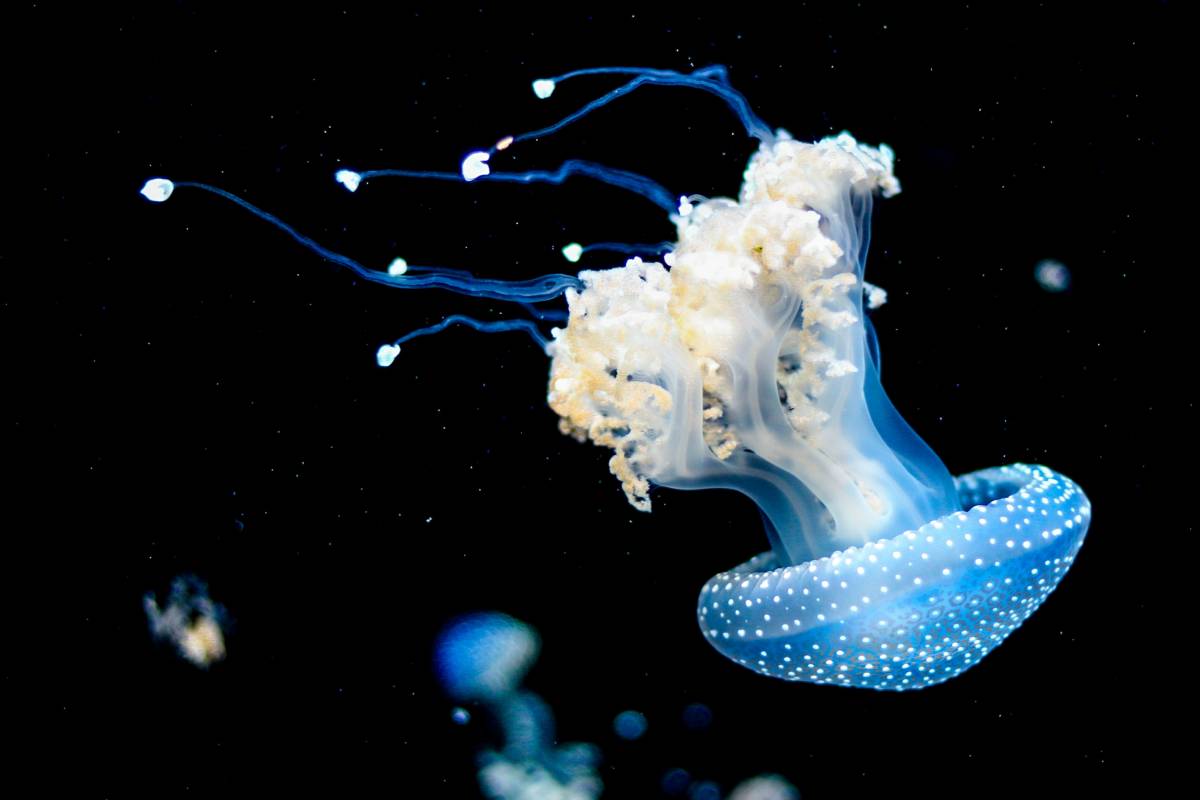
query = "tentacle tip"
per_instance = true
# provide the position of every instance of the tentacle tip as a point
(348, 178)
(572, 252)
(543, 88)
(387, 354)
(876, 296)
(504, 143)
(157, 190)
(398, 267)
(685, 206)
(475, 165)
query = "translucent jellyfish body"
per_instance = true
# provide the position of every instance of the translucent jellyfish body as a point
(745, 359)
(747, 362)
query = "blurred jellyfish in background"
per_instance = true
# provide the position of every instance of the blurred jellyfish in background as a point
(481, 659)
(675, 782)
(191, 622)
(704, 790)
(697, 717)
(744, 359)
(1053, 276)
(630, 725)
(765, 787)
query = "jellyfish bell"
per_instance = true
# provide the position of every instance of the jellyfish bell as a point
(912, 610)
(484, 656)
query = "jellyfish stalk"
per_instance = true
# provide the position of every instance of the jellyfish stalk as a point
(747, 363)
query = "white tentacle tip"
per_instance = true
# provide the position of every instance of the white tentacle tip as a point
(348, 178)
(572, 252)
(543, 88)
(387, 354)
(157, 190)
(475, 165)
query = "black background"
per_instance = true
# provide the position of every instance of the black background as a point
(191, 392)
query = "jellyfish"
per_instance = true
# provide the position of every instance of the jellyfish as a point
(1051, 275)
(742, 356)
(765, 787)
(482, 658)
(190, 621)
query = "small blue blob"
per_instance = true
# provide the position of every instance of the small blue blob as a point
(460, 716)
(704, 790)
(630, 725)
(675, 782)
(697, 717)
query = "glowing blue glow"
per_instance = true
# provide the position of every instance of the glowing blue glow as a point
(746, 360)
